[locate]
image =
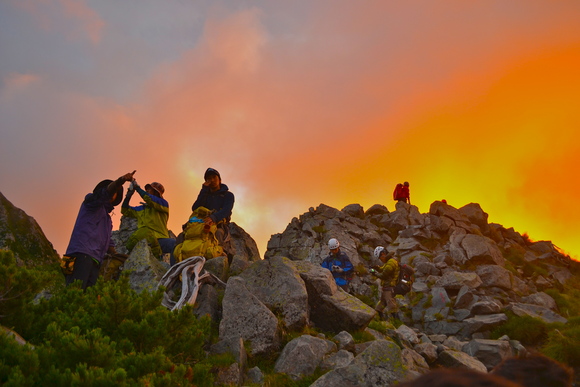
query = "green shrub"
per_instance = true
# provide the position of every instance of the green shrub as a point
(564, 344)
(526, 329)
(106, 335)
(18, 287)
(362, 336)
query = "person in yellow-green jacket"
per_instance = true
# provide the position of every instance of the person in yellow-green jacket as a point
(152, 216)
(389, 274)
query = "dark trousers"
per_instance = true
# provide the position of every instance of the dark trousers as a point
(85, 269)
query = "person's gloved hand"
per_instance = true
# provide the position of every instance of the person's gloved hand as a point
(337, 269)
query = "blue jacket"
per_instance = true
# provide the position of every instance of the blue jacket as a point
(341, 260)
(91, 234)
(220, 201)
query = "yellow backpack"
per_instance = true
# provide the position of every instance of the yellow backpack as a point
(199, 239)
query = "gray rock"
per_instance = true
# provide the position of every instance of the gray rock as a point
(277, 283)
(230, 376)
(21, 234)
(243, 248)
(456, 280)
(541, 299)
(485, 307)
(494, 276)
(414, 361)
(234, 346)
(301, 356)
(482, 323)
(376, 209)
(342, 358)
(331, 308)
(246, 317)
(535, 311)
(207, 303)
(476, 216)
(464, 298)
(562, 276)
(407, 335)
(345, 341)
(255, 375)
(482, 250)
(426, 268)
(143, 268)
(454, 343)
(489, 352)
(218, 266)
(457, 359)
(428, 351)
(380, 364)
(355, 210)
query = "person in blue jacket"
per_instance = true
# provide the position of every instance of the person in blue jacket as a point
(91, 236)
(339, 265)
(215, 196)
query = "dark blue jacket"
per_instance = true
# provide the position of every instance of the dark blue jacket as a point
(220, 201)
(341, 260)
(91, 234)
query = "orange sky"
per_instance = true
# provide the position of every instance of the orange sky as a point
(296, 105)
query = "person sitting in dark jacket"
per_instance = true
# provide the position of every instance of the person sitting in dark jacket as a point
(215, 196)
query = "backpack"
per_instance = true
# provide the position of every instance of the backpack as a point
(397, 192)
(405, 280)
(199, 240)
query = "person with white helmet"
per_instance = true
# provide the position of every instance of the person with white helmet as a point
(388, 273)
(338, 264)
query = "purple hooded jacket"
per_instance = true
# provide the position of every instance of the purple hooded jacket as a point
(91, 234)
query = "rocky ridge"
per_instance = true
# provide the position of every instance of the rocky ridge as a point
(469, 274)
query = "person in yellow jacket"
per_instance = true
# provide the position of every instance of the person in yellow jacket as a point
(152, 216)
(389, 274)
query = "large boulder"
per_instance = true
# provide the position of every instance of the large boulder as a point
(245, 316)
(380, 364)
(455, 280)
(331, 308)
(301, 356)
(456, 359)
(143, 268)
(489, 352)
(277, 283)
(481, 250)
(243, 249)
(536, 311)
(494, 276)
(22, 235)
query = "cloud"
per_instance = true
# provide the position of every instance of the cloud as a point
(296, 106)
(74, 18)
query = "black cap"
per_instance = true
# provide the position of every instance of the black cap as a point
(105, 184)
(209, 172)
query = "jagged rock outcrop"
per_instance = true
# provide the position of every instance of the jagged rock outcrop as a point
(469, 276)
(461, 262)
(22, 235)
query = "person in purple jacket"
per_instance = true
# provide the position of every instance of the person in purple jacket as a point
(91, 235)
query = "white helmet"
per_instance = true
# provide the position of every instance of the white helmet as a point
(378, 251)
(333, 244)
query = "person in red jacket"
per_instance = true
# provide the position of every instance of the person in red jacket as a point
(401, 193)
